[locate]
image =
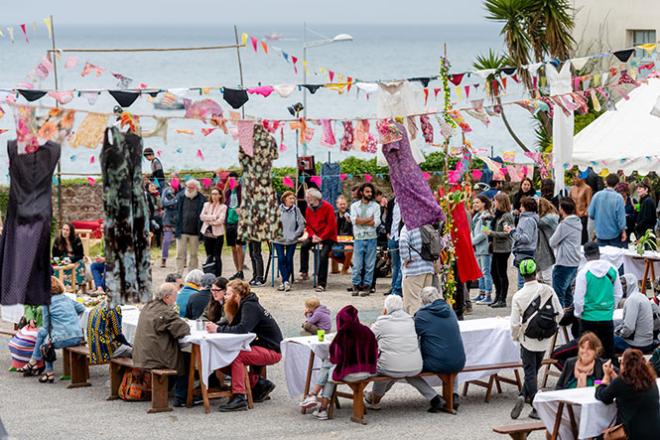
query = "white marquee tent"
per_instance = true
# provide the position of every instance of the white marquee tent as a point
(627, 139)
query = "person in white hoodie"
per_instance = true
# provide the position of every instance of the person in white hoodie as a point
(636, 329)
(531, 309)
(597, 292)
(566, 243)
(399, 354)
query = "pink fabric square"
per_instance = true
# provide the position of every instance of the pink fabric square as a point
(246, 136)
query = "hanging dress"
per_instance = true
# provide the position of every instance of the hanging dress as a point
(416, 201)
(126, 226)
(331, 182)
(259, 218)
(461, 237)
(25, 242)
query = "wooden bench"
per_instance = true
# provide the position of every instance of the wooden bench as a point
(519, 431)
(494, 379)
(76, 365)
(159, 384)
(358, 388)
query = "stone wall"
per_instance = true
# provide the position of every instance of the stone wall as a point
(79, 202)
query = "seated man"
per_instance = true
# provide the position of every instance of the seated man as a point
(191, 286)
(342, 253)
(399, 354)
(439, 335)
(157, 338)
(198, 301)
(245, 315)
(636, 329)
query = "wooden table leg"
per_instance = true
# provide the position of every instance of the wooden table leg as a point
(647, 268)
(66, 364)
(555, 428)
(203, 388)
(191, 378)
(571, 416)
(308, 377)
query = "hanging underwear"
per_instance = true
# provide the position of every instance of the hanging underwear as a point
(124, 99)
(312, 87)
(623, 55)
(235, 97)
(31, 95)
(424, 80)
(284, 90)
(64, 97)
(264, 91)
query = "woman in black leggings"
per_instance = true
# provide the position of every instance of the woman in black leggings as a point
(501, 247)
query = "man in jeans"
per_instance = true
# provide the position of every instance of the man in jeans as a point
(365, 216)
(608, 212)
(394, 225)
(566, 243)
(532, 350)
(189, 225)
(597, 292)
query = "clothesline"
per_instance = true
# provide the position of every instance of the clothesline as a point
(146, 49)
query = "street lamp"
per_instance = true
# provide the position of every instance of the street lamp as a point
(324, 41)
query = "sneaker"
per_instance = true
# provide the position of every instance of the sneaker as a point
(236, 403)
(309, 402)
(281, 288)
(436, 404)
(533, 414)
(355, 291)
(369, 404)
(365, 293)
(479, 298)
(287, 286)
(262, 389)
(236, 276)
(486, 301)
(499, 305)
(319, 289)
(320, 414)
(257, 282)
(518, 407)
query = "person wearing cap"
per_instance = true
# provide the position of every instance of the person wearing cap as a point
(197, 302)
(597, 292)
(157, 172)
(646, 218)
(532, 350)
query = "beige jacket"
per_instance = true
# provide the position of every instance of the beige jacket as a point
(214, 216)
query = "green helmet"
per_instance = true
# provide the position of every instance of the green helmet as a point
(527, 266)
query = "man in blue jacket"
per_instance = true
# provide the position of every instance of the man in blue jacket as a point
(439, 335)
(608, 212)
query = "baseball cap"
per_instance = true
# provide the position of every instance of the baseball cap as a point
(527, 266)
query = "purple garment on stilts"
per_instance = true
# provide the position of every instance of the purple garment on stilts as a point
(418, 206)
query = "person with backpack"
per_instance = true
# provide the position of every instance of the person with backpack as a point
(535, 315)
(597, 292)
(417, 264)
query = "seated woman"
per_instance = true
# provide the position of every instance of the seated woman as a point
(585, 369)
(214, 311)
(400, 355)
(342, 253)
(353, 357)
(68, 246)
(245, 315)
(104, 333)
(636, 394)
(21, 346)
(61, 327)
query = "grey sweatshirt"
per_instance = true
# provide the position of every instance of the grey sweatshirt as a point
(637, 326)
(291, 233)
(566, 242)
(544, 254)
(526, 235)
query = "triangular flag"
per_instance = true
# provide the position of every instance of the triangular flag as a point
(456, 78)
(264, 46)
(579, 63)
(467, 91)
(244, 38)
(25, 33)
(649, 48)
(623, 55)
(426, 95)
(306, 66)
(287, 181)
(316, 180)
(254, 42)
(10, 31)
(343, 176)
(504, 82)
(331, 75)
(459, 93)
(232, 183)
(91, 181)
(49, 25)
(436, 90)
(286, 56)
(206, 182)
(200, 155)
(92, 160)
(294, 60)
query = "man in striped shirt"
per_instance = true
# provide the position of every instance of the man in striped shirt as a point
(417, 272)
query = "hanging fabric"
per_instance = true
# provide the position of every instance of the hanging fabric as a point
(264, 91)
(312, 87)
(202, 109)
(468, 268)
(160, 130)
(90, 132)
(330, 182)
(427, 128)
(32, 95)
(124, 99)
(246, 136)
(126, 226)
(563, 121)
(328, 137)
(284, 90)
(235, 97)
(25, 242)
(624, 55)
(347, 138)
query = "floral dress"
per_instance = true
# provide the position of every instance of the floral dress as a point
(259, 218)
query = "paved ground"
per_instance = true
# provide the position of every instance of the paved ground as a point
(30, 410)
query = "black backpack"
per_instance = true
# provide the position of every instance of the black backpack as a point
(432, 244)
(542, 324)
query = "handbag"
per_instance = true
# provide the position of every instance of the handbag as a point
(616, 432)
(47, 349)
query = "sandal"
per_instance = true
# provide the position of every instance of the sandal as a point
(47, 378)
(31, 370)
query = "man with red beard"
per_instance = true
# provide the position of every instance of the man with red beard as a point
(245, 315)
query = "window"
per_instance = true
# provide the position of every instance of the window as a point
(642, 37)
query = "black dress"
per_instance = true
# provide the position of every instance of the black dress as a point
(126, 226)
(639, 411)
(25, 243)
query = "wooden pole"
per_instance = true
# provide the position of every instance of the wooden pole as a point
(240, 64)
(57, 104)
(444, 85)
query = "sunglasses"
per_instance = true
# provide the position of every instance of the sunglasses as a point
(215, 289)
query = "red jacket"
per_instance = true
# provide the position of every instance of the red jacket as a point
(322, 222)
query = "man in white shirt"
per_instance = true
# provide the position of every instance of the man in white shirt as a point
(365, 216)
(532, 309)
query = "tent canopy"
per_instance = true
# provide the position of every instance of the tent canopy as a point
(627, 138)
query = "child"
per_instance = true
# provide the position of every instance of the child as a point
(352, 357)
(318, 317)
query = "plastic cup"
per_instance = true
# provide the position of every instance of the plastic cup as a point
(321, 335)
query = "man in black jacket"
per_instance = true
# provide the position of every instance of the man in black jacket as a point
(188, 226)
(647, 217)
(198, 301)
(246, 315)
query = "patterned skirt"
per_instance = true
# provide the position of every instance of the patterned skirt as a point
(22, 345)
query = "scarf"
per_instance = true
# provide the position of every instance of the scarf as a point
(582, 374)
(354, 348)
(493, 223)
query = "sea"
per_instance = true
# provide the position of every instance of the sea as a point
(376, 52)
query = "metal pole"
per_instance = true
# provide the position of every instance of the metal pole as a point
(240, 64)
(57, 104)
(304, 79)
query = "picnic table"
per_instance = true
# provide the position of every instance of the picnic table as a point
(574, 413)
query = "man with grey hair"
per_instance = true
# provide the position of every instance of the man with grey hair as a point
(189, 207)
(157, 336)
(439, 335)
(192, 285)
(321, 229)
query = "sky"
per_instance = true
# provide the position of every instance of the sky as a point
(206, 12)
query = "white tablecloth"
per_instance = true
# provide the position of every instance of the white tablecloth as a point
(618, 256)
(218, 349)
(486, 341)
(592, 416)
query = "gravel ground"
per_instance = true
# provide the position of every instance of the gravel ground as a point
(30, 410)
